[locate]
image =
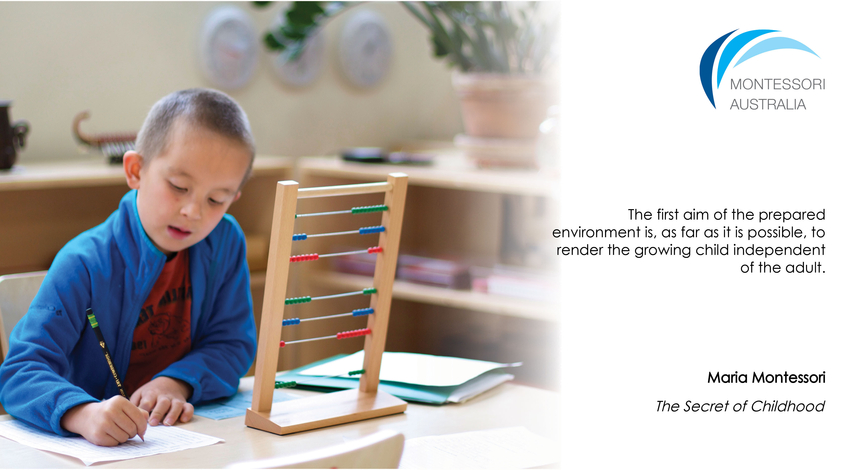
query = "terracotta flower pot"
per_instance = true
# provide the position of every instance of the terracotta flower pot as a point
(503, 106)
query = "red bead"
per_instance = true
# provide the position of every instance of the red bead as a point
(297, 258)
(353, 333)
(282, 343)
(375, 249)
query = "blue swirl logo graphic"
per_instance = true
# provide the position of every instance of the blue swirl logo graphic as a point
(727, 53)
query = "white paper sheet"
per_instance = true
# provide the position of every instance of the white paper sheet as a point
(158, 440)
(420, 369)
(501, 448)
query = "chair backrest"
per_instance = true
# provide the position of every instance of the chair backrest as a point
(379, 450)
(16, 294)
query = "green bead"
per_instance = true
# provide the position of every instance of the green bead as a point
(365, 209)
(370, 290)
(298, 300)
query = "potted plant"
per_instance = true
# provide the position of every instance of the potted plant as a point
(503, 55)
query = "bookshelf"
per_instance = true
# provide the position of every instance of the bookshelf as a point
(478, 301)
(449, 171)
(43, 205)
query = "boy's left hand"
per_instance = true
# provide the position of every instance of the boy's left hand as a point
(165, 399)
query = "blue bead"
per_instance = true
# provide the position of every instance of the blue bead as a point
(365, 230)
(291, 321)
(362, 311)
(299, 236)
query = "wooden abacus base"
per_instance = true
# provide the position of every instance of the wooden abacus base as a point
(320, 411)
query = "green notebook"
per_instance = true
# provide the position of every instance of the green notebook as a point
(416, 392)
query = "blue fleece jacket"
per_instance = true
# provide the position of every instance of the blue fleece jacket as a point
(55, 361)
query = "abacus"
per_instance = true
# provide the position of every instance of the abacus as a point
(344, 406)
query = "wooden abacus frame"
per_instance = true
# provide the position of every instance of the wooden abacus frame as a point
(345, 406)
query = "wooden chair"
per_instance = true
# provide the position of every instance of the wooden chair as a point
(379, 450)
(16, 294)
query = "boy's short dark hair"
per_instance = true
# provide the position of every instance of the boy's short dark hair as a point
(210, 109)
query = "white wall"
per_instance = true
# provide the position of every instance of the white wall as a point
(117, 58)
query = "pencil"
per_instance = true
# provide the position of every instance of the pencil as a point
(96, 328)
(93, 321)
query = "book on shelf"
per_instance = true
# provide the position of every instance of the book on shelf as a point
(414, 377)
(515, 282)
(417, 269)
(509, 281)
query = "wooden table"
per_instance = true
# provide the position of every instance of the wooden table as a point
(505, 406)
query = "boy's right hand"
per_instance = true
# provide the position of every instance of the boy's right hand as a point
(106, 423)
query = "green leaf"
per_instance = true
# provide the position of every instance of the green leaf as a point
(442, 36)
(272, 43)
(298, 23)
(440, 50)
(304, 13)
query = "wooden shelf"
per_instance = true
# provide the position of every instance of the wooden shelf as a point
(489, 303)
(448, 171)
(88, 172)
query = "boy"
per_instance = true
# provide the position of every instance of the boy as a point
(165, 275)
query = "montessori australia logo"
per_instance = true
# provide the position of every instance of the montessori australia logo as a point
(753, 43)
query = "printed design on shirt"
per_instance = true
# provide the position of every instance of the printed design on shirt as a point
(166, 326)
(161, 330)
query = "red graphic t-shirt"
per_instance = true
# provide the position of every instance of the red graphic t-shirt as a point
(162, 335)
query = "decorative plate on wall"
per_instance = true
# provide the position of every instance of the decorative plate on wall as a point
(304, 70)
(229, 47)
(365, 49)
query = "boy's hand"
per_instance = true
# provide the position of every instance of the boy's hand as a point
(106, 423)
(165, 399)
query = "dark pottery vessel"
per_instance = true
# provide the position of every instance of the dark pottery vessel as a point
(12, 136)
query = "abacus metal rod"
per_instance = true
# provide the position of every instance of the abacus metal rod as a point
(344, 190)
(360, 231)
(359, 312)
(355, 252)
(340, 335)
(306, 299)
(331, 234)
(335, 296)
(316, 214)
(353, 210)
(315, 256)
(348, 314)
(310, 339)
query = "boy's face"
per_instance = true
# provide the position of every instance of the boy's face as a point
(184, 192)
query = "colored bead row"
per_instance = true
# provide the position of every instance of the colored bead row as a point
(307, 298)
(375, 229)
(353, 333)
(341, 335)
(353, 210)
(354, 313)
(298, 258)
(298, 300)
(315, 256)
(292, 383)
(366, 209)
(362, 231)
